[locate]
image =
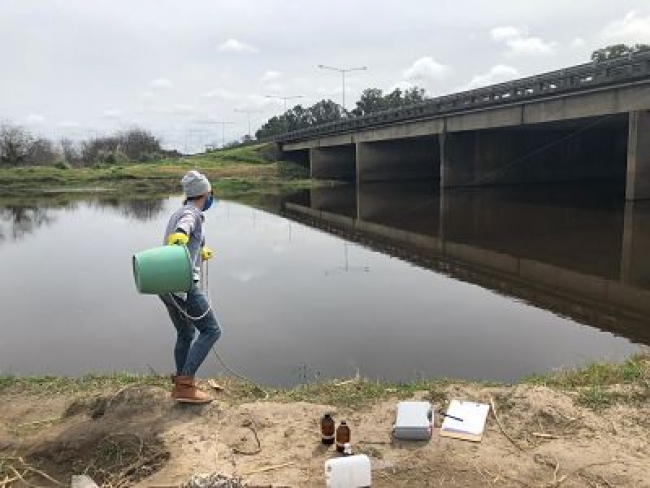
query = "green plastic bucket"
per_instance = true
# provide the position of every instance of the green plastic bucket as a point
(165, 269)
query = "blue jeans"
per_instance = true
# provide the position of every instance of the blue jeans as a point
(189, 356)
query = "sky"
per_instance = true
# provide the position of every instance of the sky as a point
(82, 68)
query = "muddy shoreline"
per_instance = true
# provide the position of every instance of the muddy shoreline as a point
(586, 427)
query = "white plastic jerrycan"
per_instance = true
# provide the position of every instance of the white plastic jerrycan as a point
(348, 472)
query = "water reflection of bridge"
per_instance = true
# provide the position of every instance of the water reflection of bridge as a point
(581, 255)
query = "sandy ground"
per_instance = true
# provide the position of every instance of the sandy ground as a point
(553, 441)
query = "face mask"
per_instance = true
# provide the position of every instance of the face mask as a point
(208, 203)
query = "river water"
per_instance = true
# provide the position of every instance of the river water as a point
(394, 282)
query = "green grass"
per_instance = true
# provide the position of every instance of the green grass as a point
(255, 164)
(359, 392)
(598, 398)
(597, 384)
(342, 393)
(227, 179)
(255, 154)
(48, 385)
(635, 369)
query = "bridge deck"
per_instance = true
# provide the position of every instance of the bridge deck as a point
(614, 86)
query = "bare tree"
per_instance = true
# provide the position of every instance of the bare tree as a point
(18, 147)
(42, 152)
(138, 143)
(15, 144)
(70, 151)
(100, 150)
(133, 144)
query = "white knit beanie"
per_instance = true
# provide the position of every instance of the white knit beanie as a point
(195, 184)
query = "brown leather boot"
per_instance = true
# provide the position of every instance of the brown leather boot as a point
(185, 391)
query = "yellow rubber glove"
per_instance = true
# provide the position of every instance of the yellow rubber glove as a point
(206, 253)
(177, 238)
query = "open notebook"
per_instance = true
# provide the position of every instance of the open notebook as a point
(473, 417)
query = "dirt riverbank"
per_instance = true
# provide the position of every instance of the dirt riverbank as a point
(587, 428)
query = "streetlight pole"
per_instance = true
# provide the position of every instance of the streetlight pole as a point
(343, 71)
(248, 112)
(223, 130)
(280, 97)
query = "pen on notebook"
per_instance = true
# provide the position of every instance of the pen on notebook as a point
(450, 416)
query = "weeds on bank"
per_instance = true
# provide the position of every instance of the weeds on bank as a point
(596, 383)
(344, 393)
(357, 392)
(253, 154)
(635, 369)
(597, 398)
(63, 385)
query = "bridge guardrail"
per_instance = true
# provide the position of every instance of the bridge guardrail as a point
(574, 78)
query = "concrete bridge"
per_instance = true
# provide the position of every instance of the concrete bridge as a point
(584, 123)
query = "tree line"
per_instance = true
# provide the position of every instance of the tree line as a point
(617, 51)
(371, 100)
(18, 147)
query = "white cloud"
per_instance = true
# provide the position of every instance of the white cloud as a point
(235, 46)
(112, 114)
(34, 119)
(270, 75)
(496, 74)
(505, 33)
(425, 69)
(518, 43)
(148, 94)
(221, 93)
(630, 30)
(161, 83)
(578, 42)
(530, 45)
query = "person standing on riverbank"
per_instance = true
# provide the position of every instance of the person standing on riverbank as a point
(191, 311)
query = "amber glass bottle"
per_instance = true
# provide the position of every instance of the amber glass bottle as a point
(342, 436)
(327, 429)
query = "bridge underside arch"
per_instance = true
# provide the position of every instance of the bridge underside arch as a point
(300, 157)
(587, 149)
(415, 158)
(333, 162)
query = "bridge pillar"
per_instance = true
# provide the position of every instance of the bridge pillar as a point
(458, 158)
(638, 156)
(635, 267)
(399, 159)
(333, 163)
